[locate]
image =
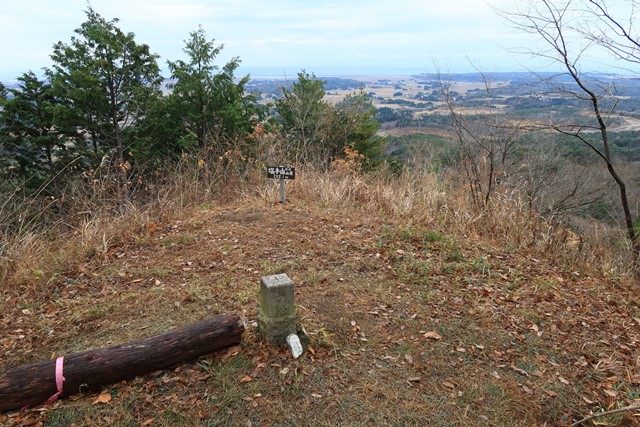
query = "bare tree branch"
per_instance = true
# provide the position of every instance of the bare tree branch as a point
(547, 19)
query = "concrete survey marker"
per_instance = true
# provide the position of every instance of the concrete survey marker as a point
(277, 318)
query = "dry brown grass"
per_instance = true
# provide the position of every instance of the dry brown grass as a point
(533, 330)
(426, 200)
(34, 259)
(36, 244)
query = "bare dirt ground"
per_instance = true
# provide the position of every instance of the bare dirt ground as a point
(408, 325)
(630, 124)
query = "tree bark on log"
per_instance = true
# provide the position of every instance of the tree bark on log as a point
(30, 385)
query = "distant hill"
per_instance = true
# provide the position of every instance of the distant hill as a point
(273, 87)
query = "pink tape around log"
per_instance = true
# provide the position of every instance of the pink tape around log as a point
(59, 379)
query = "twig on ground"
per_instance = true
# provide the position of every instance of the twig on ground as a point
(602, 414)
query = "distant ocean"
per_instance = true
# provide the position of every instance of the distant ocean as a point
(289, 72)
(286, 72)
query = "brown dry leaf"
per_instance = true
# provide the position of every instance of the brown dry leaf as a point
(246, 379)
(611, 393)
(231, 352)
(563, 381)
(103, 398)
(147, 422)
(536, 329)
(432, 335)
(520, 371)
(448, 384)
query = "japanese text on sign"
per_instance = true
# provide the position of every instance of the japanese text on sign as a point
(281, 172)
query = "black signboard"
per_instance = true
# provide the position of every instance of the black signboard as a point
(281, 172)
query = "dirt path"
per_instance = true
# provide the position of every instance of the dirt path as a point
(408, 326)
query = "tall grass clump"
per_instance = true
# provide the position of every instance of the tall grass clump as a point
(43, 236)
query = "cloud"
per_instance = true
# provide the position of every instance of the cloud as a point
(272, 33)
(158, 11)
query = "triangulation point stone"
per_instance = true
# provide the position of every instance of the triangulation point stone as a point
(277, 317)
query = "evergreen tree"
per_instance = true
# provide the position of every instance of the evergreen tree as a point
(212, 105)
(303, 115)
(160, 134)
(356, 126)
(32, 144)
(321, 132)
(107, 80)
(4, 133)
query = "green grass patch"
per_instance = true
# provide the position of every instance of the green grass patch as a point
(180, 239)
(159, 272)
(481, 265)
(413, 270)
(65, 416)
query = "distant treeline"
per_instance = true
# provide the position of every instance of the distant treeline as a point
(273, 87)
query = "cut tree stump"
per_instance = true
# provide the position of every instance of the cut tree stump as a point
(30, 385)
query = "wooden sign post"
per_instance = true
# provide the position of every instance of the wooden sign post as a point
(281, 173)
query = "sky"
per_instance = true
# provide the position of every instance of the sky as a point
(281, 37)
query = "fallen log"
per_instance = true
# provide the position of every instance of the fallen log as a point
(30, 385)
